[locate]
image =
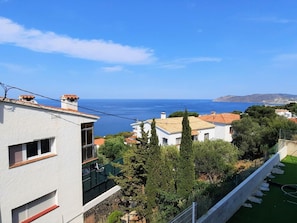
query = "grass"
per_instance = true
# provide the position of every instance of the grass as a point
(276, 207)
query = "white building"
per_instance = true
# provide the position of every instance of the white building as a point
(284, 112)
(42, 150)
(222, 122)
(169, 130)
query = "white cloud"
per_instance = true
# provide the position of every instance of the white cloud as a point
(198, 60)
(112, 69)
(182, 62)
(49, 42)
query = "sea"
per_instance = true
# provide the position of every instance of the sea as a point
(117, 115)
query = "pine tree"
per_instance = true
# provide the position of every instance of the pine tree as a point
(185, 172)
(133, 176)
(154, 169)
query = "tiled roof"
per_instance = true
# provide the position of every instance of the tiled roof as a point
(70, 96)
(26, 97)
(293, 120)
(39, 106)
(224, 118)
(174, 125)
(99, 141)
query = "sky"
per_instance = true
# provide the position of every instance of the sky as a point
(169, 49)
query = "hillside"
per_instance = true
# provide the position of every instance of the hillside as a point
(260, 98)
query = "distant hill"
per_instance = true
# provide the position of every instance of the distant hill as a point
(260, 98)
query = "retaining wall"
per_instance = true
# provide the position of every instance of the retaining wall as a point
(227, 207)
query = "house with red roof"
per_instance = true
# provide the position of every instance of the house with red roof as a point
(222, 122)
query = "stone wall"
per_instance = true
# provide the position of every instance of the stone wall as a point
(100, 212)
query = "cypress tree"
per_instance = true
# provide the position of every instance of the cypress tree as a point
(186, 172)
(154, 169)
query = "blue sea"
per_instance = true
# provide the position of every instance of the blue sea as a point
(117, 115)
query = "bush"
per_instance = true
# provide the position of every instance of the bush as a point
(115, 217)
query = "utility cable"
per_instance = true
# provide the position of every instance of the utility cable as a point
(8, 87)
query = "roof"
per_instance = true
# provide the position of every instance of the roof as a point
(70, 97)
(99, 141)
(44, 107)
(224, 118)
(174, 125)
(293, 120)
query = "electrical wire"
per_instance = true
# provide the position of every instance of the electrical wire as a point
(8, 87)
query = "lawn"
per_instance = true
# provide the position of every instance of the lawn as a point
(276, 207)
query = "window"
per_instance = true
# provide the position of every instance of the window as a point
(87, 139)
(206, 136)
(195, 137)
(35, 209)
(178, 141)
(165, 141)
(31, 150)
(231, 130)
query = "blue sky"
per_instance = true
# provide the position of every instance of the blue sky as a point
(183, 49)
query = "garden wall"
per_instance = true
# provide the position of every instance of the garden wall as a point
(227, 207)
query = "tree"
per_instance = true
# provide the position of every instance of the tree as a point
(185, 172)
(246, 137)
(215, 159)
(133, 177)
(113, 148)
(258, 130)
(154, 169)
(181, 114)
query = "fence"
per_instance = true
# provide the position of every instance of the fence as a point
(189, 215)
(96, 179)
(287, 134)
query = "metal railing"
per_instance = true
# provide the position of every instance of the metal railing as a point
(189, 215)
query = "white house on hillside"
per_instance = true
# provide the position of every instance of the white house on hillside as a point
(284, 112)
(42, 150)
(169, 130)
(222, 122)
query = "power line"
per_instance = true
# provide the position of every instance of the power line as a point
(8, 87)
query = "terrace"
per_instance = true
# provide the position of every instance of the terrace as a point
(276, 205)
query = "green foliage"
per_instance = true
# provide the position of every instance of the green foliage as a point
(101, 158)
(185, 171)
(170, 204)
(246, 137)
(133, 177)
(170, 157)
(181, 114)
(113, 148)
(115, 217)
(292, 107)
(154, 168)
(122, 134)
(259, 113)
(215, 158)
(258, 130)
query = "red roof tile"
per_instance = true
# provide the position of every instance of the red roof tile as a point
(225, 118)
(99, 141)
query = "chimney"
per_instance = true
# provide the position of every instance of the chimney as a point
(27, 98)
(69, 101)
(163, 115)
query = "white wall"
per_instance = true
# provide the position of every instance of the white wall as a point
(222, 131)
(171, 137)
(20, 185)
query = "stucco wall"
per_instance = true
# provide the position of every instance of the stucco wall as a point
(225, 208)
(61, 173)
